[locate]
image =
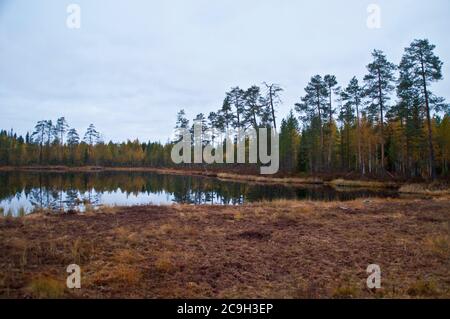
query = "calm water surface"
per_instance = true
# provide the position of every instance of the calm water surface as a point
(22, 192)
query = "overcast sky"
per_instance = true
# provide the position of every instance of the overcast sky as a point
(133, 64)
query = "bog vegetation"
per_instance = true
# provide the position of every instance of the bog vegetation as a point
(388, 123)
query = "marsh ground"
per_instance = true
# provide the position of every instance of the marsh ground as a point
(283, 249)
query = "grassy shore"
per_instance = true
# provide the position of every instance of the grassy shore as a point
(426, 189)
(362, 184)
(283, 249)
(270, 180)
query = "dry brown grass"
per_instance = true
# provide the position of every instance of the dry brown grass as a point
(362, 184)
(280, 249)
(439, 245)
(269, 180)
(107, 209)
(127, 235)
(422, 288)
(164, 264)
(46, 288)
(127, 256)
(170, 229)
(113, 275)
(238, 216)
(346, 291)
(81, 250)
(425, 189)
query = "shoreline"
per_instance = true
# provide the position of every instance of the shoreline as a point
(401, 187)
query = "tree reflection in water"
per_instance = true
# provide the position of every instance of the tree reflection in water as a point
(73, 191)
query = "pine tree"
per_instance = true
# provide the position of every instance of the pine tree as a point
(253, 107)
(379, 85)
(406, 112)
(347, 117)
(331, 85)
(314, 107)
(236, 98)
(38, 136)
(352, 98)
(91, 136)
(200, 119)
(50, 132)
(215, 122)
(181, 124)
(73, 138)
(273, 99)
(425, 68)
(61, 128)
(226, 114)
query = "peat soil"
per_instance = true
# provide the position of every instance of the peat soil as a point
(281, 249)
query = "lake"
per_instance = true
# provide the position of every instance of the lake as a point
(23, 192)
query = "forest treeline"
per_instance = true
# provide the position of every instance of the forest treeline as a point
(389, 122)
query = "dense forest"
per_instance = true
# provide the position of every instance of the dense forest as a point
(387, 124)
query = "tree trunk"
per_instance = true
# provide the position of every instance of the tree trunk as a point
(272, 108)
(321, 130)
(430, 134)
(237, 113)
(348, 146)
(342, 147)
(380, 97)
(330, 131)
(358, 125)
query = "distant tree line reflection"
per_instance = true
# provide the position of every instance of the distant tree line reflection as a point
(60, 191)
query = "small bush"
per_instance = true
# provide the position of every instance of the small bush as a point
(439, 245)
(345, 291)
(164, 264)
(46, 288)
(127, 256)
(80, 251)
(126, 235)
(423, 288)
(238, 216)
(119, 274)
(126, 274)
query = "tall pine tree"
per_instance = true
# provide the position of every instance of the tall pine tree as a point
(379, 85)
(425, 68)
